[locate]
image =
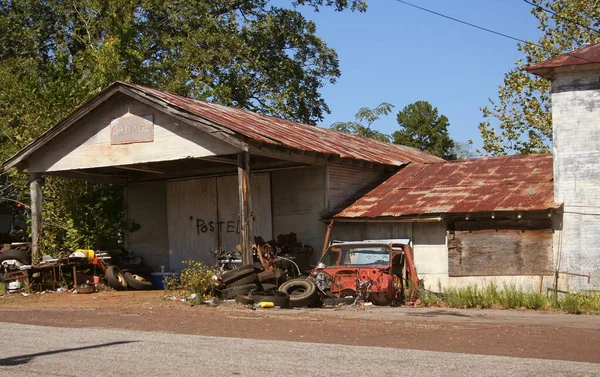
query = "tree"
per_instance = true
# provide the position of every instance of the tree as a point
(364, 119)
(464, 149)
(422, 127)
(55, 54)
(523, 107)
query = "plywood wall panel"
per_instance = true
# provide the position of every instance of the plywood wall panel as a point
(491, 252)
(191, 204)
(204, 216)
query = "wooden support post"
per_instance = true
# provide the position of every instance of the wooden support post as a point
(244, 199)
(35, 187)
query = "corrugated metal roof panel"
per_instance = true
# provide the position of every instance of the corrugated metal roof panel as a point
(515, 183)
(276, 131)
(586, 55)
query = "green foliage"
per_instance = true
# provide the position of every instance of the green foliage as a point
(55, 54)
(365, 117)
(580, 303)
(523, 108)
(511, 297)
(355, 5)
(83, 215)
(247, 54)
(197, 279)
(422, 127)
(464, 149)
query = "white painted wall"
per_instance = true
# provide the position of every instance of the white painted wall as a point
(576, 148)
(87, 143)
(146, 204)
(298, 197)
(431, 253)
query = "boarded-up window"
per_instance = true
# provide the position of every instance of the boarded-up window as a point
(488, 248)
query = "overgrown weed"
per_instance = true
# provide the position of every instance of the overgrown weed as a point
(510, 297)
(194, 284)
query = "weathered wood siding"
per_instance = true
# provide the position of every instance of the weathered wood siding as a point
(345, 181)
(88, 144)
(203, 216)
(298, 199)
(500, 248)
(370, 231)
(146, 204)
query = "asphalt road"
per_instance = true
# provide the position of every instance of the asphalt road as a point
(51, 351)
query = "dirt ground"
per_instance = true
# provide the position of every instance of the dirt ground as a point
(531, 334)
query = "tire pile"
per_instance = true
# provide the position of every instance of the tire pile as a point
(122, 280)
(248, 286)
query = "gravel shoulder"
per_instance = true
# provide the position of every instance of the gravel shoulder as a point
(526, 334)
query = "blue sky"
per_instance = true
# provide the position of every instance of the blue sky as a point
(398, 54)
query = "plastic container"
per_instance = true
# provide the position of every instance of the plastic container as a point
(89, 254)
(158, 279)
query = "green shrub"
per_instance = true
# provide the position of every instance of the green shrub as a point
(197, 279)
(578, 303)
(570, 304)
(510, 297)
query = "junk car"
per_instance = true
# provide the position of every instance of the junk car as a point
(375, 271)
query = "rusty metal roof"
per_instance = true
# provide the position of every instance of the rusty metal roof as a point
(277, 131)
(513, 183)
(238, 126)
(586, 55)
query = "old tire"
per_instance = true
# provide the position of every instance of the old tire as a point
(250, 279)
(280, 299)
(237, 274)
(21, 256)
(265, 275)
(244, 300)
(266, 287)
(115, 278)
(133, 283)
(233, 292)
(302, 292)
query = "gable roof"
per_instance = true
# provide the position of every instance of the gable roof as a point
(586, 55)
(237, 126)
(514, 183)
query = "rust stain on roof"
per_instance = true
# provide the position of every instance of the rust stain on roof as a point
(276, 131)
(586, 55)
(514, 183)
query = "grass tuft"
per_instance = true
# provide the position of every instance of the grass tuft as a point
(511, 297)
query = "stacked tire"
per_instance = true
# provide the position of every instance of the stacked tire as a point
(238, 282)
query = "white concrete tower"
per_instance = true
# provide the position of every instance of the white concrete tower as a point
(576, 148)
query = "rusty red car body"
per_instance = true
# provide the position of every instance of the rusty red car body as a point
(372, 270)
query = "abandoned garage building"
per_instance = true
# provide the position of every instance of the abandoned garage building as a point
(471, 221)
(194, 173)
(200, 176)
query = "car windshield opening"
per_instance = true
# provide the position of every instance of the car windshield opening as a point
(357, 255)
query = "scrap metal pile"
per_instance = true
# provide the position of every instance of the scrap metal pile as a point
(83, 271)
(348, 273)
